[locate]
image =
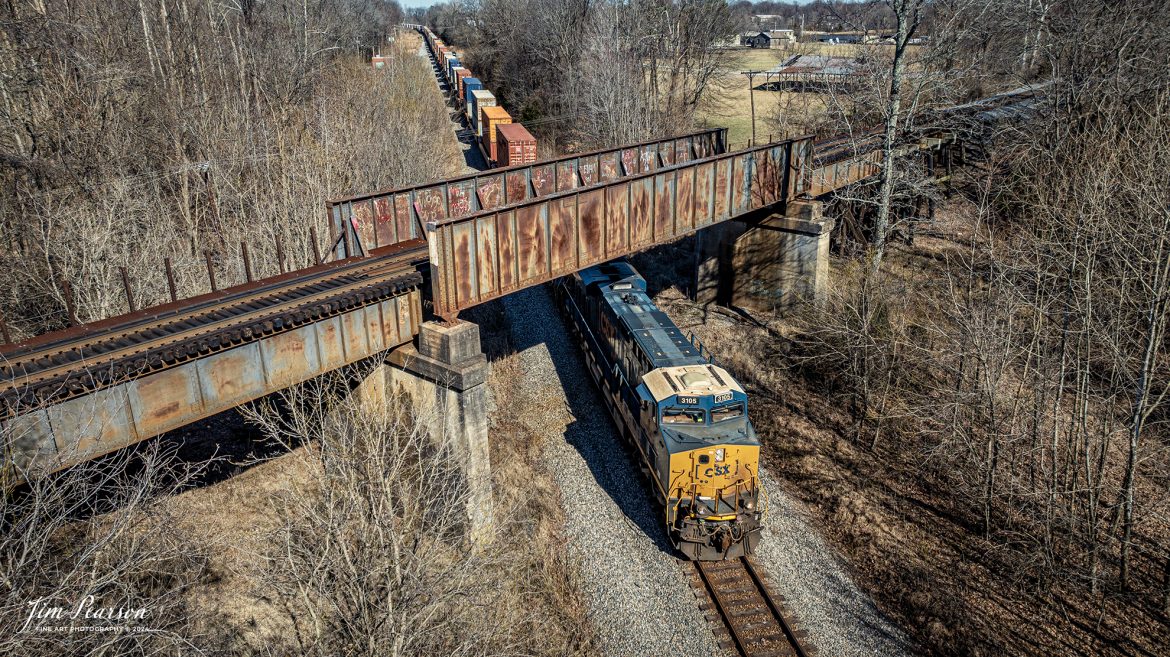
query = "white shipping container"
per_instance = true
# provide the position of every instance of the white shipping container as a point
(483, 98)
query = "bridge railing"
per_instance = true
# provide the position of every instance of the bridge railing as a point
(491, 253)
(366, 222)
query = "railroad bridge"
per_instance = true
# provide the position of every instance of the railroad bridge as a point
(75, 394)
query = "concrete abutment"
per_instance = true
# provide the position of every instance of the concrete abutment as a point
(766, 265)
(446, 378)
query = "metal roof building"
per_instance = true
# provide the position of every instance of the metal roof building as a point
(817, 70)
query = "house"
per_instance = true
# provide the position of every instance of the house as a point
(770, 39)
(837, 38)
(767, 21)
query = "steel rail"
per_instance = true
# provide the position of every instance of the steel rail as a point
(385, 271)
(789, 632)
(160, 317)
(832, 150)
(747, 575)
(120, 327)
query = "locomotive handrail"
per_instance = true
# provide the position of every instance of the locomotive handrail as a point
(698, 344)
(764, 494)
(585, 325)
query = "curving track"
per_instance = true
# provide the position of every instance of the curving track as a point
(751, 619)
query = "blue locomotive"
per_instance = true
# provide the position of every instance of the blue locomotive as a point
(686, 417)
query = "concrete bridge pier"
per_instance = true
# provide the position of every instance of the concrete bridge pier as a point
(446, 376)
(766, 265)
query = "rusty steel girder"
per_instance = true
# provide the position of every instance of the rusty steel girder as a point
(387, 217)
(492, 253)
(148, 404)
(829, 176)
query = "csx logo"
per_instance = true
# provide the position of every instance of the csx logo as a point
(717, 470)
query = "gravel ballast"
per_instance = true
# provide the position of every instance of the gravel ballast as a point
(639, 600)
(638, 596)
(841, 620)
(473, 159)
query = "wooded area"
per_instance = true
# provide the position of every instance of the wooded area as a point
(1046, 377)
(1027, 384)
(591, 74)
(134, 131)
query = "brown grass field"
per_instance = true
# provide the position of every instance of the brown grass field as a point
(777, 113)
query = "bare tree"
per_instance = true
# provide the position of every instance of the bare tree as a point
(100, 536)
(373, 555)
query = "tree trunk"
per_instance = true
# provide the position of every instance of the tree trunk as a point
(1155, 329)
(906, 12)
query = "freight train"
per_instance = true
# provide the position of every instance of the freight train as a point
(686, 418)
(502, 141)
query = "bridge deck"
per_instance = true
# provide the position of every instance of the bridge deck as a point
(70, 398)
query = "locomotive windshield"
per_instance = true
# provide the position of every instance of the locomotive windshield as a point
(727, 412)
(675, 415)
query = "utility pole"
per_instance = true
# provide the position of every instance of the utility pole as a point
(752, 97)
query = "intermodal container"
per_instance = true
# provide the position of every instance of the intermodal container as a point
(515, 146)
(470, 84)
(452, 62)
(491, 148)
(460, 74)
(493, 117)
(480, 99)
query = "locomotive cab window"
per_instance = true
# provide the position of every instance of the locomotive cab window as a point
(676, 415)
(727, 412)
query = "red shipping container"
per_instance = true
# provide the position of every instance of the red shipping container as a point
(516, 145)
(460, 73)
(489, 147)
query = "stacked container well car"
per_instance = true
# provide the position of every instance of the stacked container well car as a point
(502, 141)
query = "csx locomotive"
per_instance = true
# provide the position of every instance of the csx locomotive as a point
(686, 417)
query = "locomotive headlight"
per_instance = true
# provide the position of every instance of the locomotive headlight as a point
(719, 453)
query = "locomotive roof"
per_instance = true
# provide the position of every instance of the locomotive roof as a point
(624, 290)
(694, 380)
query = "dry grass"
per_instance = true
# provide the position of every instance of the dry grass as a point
(535, 600)
(232, 605)
(526, 493)
(728, 103)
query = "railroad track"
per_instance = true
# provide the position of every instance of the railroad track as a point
(93, 356)
(747, 616)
